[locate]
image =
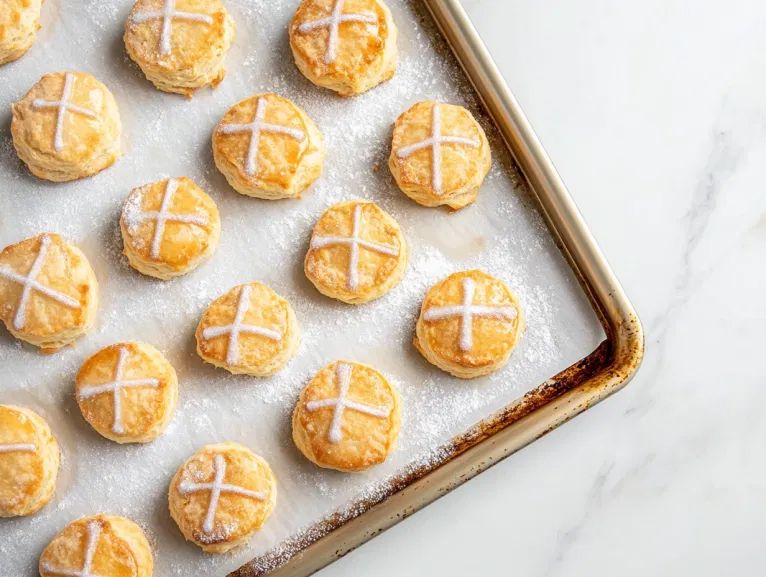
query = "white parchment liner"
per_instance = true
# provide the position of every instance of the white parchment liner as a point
(167, 135)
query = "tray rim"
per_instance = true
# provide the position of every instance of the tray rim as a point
(602, 373)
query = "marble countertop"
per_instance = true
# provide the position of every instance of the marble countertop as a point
(654, 112)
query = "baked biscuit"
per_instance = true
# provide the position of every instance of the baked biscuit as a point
(439, 155)
(348, 46)
(357, 253)
(180, 45)
(169, 227)
(101, 545)
(221, 496)
(127, 392)
(268, 147)
(48, 292)
(18, 26)
(250, 330)
(66, 127)
(29, 461)
(469, 324)
(347, 417)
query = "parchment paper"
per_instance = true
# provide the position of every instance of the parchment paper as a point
(166, 135)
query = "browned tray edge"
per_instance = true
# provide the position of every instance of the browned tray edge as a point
(600, 374)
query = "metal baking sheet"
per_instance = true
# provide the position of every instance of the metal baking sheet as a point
(166, 135)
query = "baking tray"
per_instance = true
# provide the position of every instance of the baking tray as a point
(600, 374)
(320, 514)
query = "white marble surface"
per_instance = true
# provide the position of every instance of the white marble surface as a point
(655, 114)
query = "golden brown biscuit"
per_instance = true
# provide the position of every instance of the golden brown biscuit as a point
(29, 461)
(66, 127)
(439, 155)
(127, 392)
(357, 253)
(347, 417)
(98, 546)
(221, 496)
(268, 147)
(348, 46)
(180, 45)
(169, 227)
(18, 26)
(250, 330)
(48, 291)
(469, 324)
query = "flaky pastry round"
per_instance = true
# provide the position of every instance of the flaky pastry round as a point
(127, 392)
(357, 252)
(221, 496)
(18, 27)
(439, 155)
(29, 461)
(102, 545)
(169, 227)
(348, 46)
(347, 417)
(48, 292)
(268, 147)
(66, 127)
(469, 324)
(180, 45)
(250, 330)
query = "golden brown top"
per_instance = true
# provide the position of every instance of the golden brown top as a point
(359, 434)
(263, 139)
(172, 221)
(377, 237)
(67, 115)
(461, 154)
(90, 545)
(16, 16)
(245, 500)
(345, 48)
(46, 286)
(143, 375)
(471, 318)
(21, 457)
(261, 316)
(193, 34)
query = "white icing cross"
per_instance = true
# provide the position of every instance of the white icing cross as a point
(63, 106)
(435, 143)
(30, 283)
(94, 531)
(163, 216)
(354, 242)
(115, 387)
(466, 311)
(20, 447)
(167, 14)
(341, 403)
(255, 128)
(332, 22)
(216, 488)
(237, 327)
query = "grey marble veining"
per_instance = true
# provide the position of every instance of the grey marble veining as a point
(655, 115)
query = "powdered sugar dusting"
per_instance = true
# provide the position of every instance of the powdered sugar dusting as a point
(165, 136)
